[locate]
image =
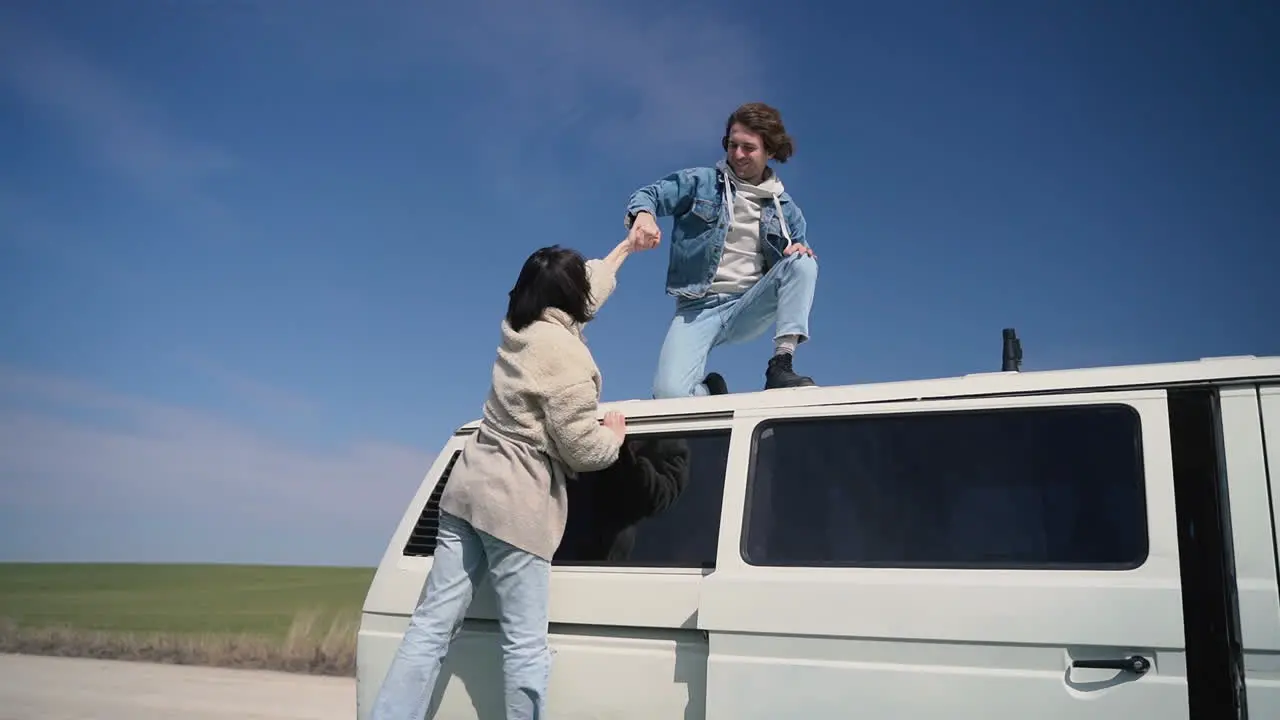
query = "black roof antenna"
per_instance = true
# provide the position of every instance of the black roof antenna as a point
(1012, 361)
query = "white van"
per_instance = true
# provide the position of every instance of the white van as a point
(1095, 543)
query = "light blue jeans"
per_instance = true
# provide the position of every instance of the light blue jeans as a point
(783, 296)
(463, 558)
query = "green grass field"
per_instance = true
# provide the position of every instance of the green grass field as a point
(291, 618)
(258, 600)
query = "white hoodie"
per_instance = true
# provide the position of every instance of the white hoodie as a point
(742, 264)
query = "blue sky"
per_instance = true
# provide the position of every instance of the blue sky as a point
(253, 256)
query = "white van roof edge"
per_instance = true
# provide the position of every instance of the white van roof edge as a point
(1245, 368)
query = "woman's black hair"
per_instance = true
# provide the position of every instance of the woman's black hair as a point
(551, 277)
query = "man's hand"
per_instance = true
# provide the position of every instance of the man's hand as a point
(799, 248)
(645, 233)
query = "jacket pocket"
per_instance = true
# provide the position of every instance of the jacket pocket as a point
(771, 234)
(771, 227)
(704, 210)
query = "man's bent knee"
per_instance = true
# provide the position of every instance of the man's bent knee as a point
(800, 268)
(673, 388)
(676, 385)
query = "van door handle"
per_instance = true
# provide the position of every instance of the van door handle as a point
(1135, 664)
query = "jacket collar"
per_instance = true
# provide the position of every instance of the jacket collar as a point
(560, 317)
(721, 167)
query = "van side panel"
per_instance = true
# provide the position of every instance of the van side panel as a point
(598, 670)
(1251, 525)
(934, 644)
(1262, 633)
(624, 640)
(1269, 417)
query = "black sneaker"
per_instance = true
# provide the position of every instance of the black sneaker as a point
(715, 384)
(780, 375)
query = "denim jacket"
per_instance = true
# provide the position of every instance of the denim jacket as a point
(695, 198)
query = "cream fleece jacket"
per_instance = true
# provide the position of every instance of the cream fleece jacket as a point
(539, 425)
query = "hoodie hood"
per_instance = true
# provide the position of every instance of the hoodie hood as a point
(770, 188)
(771, 185)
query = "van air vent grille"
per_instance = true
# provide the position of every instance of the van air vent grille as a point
(422, 541)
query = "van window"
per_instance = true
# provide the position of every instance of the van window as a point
(422, 541)
(658, 506)
(1057, 487)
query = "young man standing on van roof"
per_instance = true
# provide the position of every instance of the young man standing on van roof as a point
(739, 259)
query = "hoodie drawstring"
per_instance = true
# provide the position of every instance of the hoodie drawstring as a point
(782, 220)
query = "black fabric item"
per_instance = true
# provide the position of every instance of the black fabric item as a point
(606, 506)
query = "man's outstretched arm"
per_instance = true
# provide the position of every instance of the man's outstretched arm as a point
(671, 195)
(668, 196)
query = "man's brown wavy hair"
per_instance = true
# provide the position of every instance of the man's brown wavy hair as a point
(765, 121)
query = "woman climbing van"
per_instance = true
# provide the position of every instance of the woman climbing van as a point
(503, 511)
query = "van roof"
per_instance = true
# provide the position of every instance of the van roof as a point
(1217, 370)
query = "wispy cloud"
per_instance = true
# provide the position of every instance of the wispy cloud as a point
(621, 76)
(264, 397)
(69, 447)
(611, 84)
(628, 81)
(116, 127)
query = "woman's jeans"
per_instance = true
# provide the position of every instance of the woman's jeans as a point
(521, 582)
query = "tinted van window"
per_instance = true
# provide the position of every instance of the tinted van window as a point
(1011, 488)
(658, 506)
